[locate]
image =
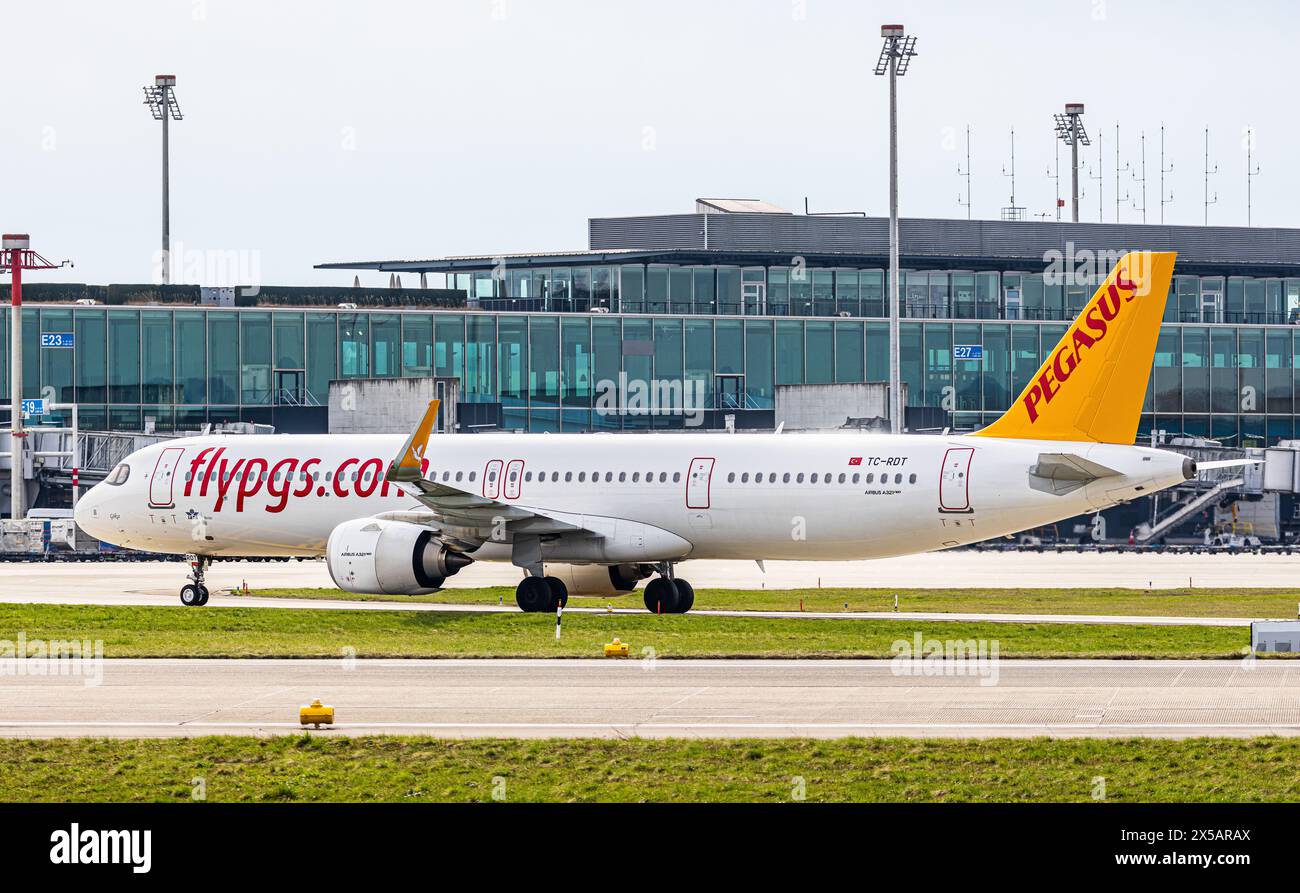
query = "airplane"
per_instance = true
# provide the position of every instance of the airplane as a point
(599, 513)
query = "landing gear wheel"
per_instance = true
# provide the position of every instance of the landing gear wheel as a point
(661, 596)
(533, 594)
(685, 596)
(194, 594)
(559, 592)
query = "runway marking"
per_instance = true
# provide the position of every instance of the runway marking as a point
(632, 724)
(214, 710)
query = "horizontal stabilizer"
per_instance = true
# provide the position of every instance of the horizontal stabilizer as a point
(1069, 467)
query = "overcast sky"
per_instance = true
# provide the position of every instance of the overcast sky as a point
(330, 131)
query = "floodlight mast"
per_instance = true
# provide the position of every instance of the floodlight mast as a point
(161, 99)
(1069, 129)
(898, 49)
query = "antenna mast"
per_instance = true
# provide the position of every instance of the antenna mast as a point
(1056, 175)
(1012, 211)
(1118, 170)
(1100, 178)
(1142, 179)
(966, 174)
(1251, 172)
(1164, 170)
(1208, 170)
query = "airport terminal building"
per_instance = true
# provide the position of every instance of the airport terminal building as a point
(735, 301)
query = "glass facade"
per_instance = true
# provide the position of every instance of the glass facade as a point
(840, 292)
(1227, 362)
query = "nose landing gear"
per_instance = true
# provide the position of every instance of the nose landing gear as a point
(194, 594)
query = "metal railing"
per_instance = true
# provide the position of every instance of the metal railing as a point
(295, 397)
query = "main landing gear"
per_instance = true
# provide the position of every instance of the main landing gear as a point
(194, 594)
(541, 594)
(667, 594)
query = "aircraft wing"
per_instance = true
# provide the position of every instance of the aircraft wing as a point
(458, 513)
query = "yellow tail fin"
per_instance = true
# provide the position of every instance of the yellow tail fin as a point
(1092, 384)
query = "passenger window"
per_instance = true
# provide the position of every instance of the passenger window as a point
(582, 477)
(459, 475)
(622, 476)
(663, 476)
(677, 477)
(568, 476)
(871, 477)
(527, 476)
(813, 479)
(856, 477)
(898, 479)
(911, 479)
(731, 477)
(744, 478)
(636, 477)
(841, 477)
(609, 477)
(472, 474)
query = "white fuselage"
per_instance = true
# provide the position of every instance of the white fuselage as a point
(741, 496)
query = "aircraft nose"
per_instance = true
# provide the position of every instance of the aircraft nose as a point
(86, 513)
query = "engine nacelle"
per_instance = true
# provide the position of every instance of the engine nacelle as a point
(599, 579)
(381, 557)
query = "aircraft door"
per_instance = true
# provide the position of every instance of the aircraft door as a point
(164, 475)
(514, 478)
(492, 479)
(954, 481)
(697, 483)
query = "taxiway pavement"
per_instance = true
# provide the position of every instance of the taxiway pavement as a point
(663, 698)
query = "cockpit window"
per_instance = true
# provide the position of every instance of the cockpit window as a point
(118, 475)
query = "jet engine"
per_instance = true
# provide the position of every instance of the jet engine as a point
(599, 579)
(376, 556)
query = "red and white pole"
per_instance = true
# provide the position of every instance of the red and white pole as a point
(15, 245)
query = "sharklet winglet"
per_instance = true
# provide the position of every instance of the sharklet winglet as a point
(407, 466)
